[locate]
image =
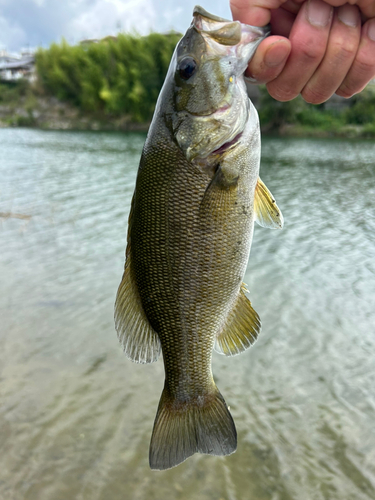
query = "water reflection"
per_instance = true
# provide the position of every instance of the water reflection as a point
(76, 415)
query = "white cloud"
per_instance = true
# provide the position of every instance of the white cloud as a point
(170, 15)
(39, 3)
(106, 17)
(11, 34)
(41, 22)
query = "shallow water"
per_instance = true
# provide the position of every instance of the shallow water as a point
(76, 415)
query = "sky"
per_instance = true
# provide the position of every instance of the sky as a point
(38, 23)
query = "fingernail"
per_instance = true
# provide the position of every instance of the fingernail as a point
(348, 14)
(371, 30)
(276, 54)
(318, 13)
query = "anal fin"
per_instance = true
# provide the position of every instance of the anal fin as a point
(241, 328)
(267, 213)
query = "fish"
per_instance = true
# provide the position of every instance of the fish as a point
(190, 229)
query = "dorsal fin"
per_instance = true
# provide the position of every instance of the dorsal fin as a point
(267, 213)
(241, 328)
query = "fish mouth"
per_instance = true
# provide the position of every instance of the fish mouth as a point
(229, 33)
(203, 12)
(221, 30)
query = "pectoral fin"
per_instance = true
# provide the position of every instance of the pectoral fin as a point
(267, 213)
(139, 340)
(241, 329)
(221, 191)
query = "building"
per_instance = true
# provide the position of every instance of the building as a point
(13, 68)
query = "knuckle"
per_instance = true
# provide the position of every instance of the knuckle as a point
(344, 50)
(343, 92)
(311, 52)
(314, 95)
(347, 90)
(280, 93)
(364, 66)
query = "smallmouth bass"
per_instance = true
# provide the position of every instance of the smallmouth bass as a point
(190, 229)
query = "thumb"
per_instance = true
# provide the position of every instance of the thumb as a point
(254, 12)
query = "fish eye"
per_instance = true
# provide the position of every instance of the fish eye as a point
(187, 68)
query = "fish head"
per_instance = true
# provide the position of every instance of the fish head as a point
(210, 106)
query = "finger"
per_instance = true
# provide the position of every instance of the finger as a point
(282, 22)
(269, 59)
(254, 12)
(309, 38)
(293, 6)
(341, 50)
(363, 67)
(257, 12)
(367, 7)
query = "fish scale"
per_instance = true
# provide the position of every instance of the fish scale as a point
(172, 310)
(196, 197)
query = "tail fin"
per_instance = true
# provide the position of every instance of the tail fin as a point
(203, 425)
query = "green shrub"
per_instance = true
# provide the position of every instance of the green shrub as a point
(114, 77)
(362, 109)
(12, 92)
(274, 114)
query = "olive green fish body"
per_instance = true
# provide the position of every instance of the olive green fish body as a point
(189, 258)
(189, 237)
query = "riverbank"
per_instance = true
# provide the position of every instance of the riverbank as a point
(345, 131)
(29, 106)
(48, 113)
(113, 85)
(51, 114)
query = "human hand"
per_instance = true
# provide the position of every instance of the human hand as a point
(317, 47)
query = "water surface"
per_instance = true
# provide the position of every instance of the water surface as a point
(76, 415)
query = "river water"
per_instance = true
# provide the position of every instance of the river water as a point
(76, 415)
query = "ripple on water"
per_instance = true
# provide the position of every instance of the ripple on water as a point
(76, 415)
